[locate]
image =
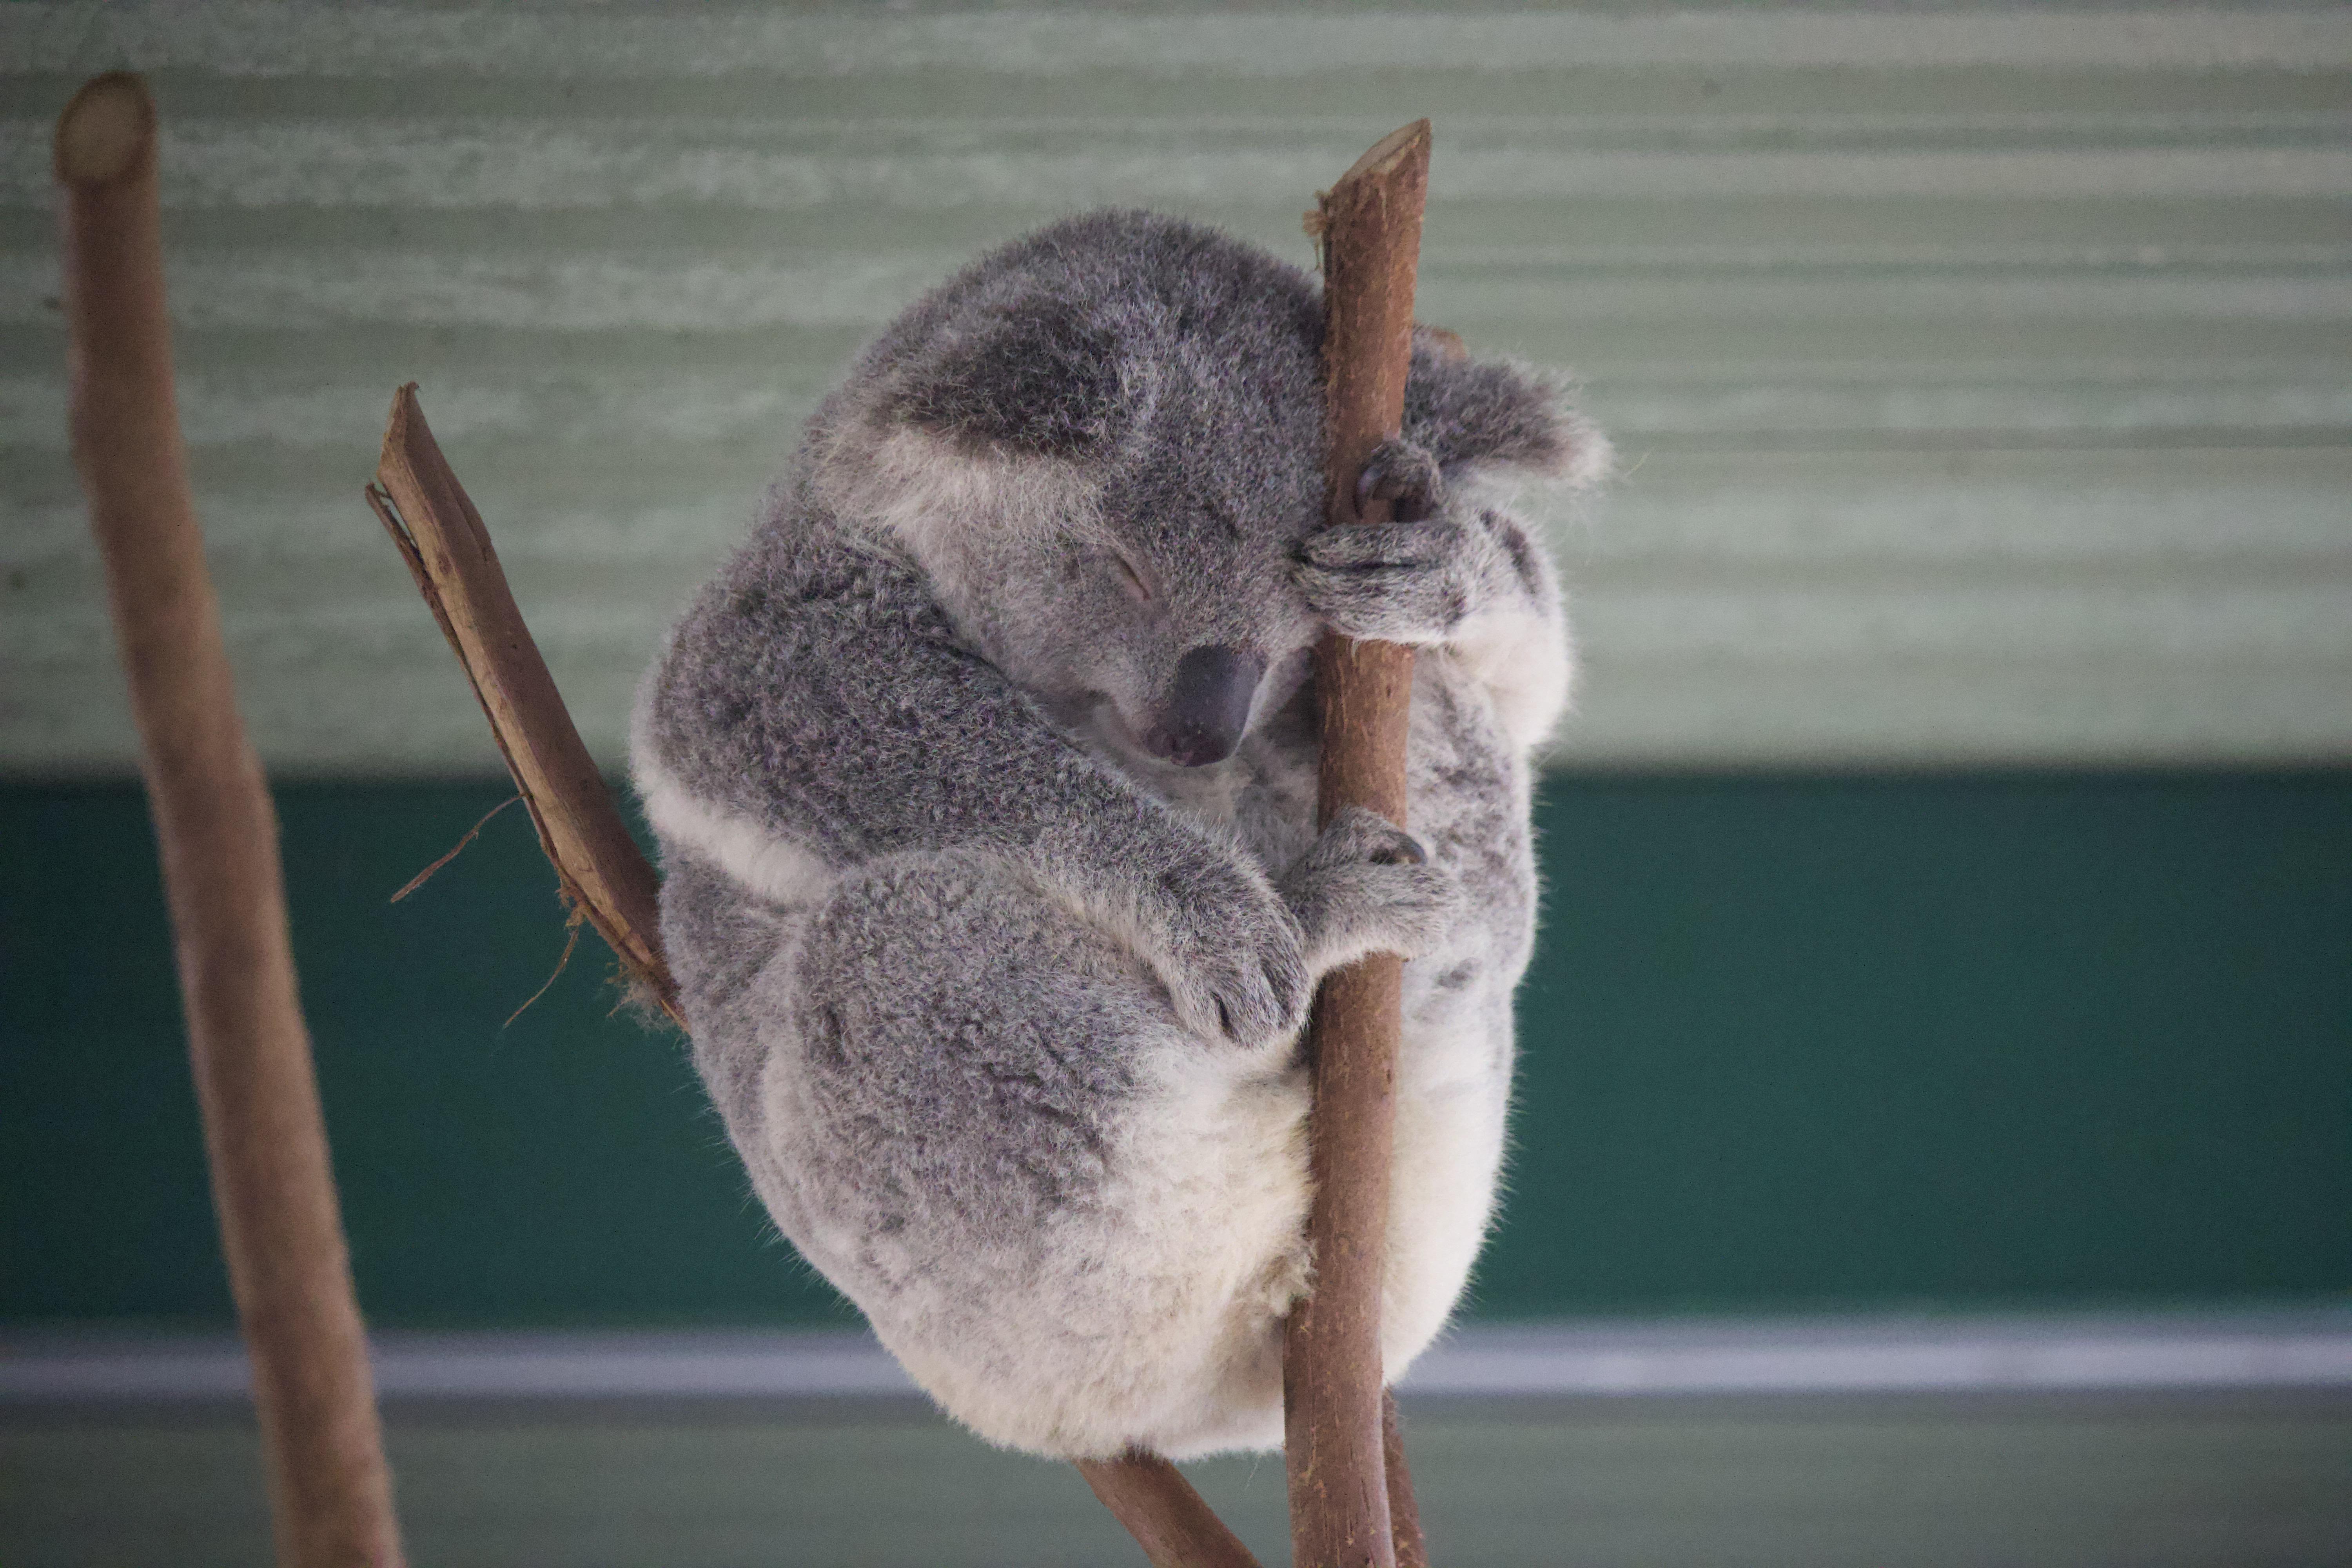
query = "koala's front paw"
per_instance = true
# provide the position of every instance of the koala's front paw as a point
(1396, 582)
(1366, 886)
(1415, 578)
(1232, 957)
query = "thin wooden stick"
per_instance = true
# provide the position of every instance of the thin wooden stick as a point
(1370, 224)
(273, 1186)
(448, 548)
(1171, 1522)
(1404, 1513)
(599, 866)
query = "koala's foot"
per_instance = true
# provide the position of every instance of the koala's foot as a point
(1365, 886)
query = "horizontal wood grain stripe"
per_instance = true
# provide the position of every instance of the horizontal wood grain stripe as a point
(750, 165)
(639, 40)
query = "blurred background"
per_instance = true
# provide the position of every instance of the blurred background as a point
(1934, 1134)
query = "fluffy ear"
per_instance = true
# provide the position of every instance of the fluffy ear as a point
(1030, 377)
(1470, 414)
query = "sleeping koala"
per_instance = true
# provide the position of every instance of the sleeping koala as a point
(984, 777)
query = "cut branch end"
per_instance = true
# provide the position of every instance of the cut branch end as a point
(107, 132)
(1386, 156)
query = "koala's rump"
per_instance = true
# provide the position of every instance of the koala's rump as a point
(1075, 1224)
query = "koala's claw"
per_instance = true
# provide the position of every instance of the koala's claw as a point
(1405, 476)
(1254, 1004)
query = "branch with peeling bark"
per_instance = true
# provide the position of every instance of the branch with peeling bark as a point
(265, 1136)
(432, 521)
(1340, 1431)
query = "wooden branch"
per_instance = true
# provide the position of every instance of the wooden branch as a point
(448, 548)
(265, 1139)
(1404, 1513)
(440, 535)
(1370, 224)
(1173, 1523)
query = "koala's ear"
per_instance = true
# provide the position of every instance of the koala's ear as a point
(1029, 377)
(1471, 414)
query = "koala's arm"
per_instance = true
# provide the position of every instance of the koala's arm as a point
(814, 711)
(1466, 579)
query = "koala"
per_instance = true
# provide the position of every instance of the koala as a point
(984, 777)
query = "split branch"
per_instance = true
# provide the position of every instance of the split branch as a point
(1341, 1517)
(265, 1138)
(442, 537)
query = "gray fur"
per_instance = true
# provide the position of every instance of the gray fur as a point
(1001, 1008)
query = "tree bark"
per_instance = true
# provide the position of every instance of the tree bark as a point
(1370, 224)
(1404, 1513)
(1171, 1521)
(603, 873)
(265, 1138)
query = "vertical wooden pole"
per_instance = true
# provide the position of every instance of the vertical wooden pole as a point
(272, 1184)
(1370, 223)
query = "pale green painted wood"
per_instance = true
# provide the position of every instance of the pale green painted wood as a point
(1980, 376)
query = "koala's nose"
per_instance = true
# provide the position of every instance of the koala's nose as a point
(1208, 707)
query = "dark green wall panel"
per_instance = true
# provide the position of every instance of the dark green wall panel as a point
(1945, 1041)
(563, 1168)
(1792, 1042)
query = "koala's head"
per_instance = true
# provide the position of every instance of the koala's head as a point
(1103, 444)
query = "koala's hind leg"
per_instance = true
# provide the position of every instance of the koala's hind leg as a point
(1072, 1221)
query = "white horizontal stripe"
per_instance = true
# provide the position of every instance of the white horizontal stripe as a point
(276, 291)
(249, 538)
(2127, 712)
(1831, 1356)
(217, 132)
(1869, 622)
(638, 403)
(2209, 518)
(2303, 621)
(688, 409)
(289, 291)
(639, 41)
(523, 165)
(398, 708)
(1958, 1356)
(1782, 410)
(1707, 520)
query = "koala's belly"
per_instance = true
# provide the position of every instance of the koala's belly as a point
(1469, 802)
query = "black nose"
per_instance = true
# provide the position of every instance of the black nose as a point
(1208, 707)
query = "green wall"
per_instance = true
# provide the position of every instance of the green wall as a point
(1792, 1042)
